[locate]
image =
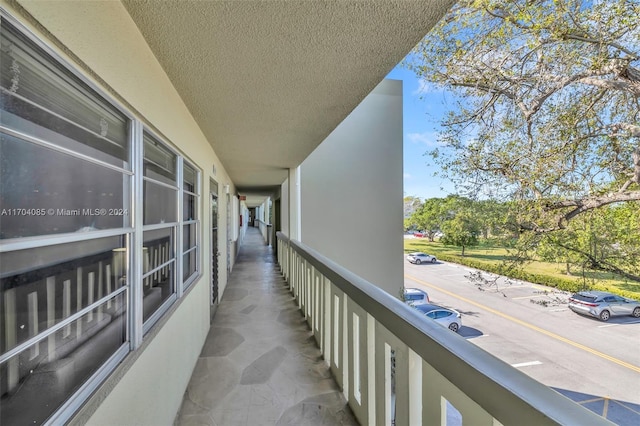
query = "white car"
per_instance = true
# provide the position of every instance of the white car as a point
(414, 296)
(446, 317)
(419, 257)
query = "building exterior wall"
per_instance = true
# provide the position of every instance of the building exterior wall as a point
(101, 41)
(352, 210)
(284, 207)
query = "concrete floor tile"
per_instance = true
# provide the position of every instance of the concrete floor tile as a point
(235, 294)
(189, 408)
(238, 398)
(196, 420)
(261, 369)
(221, 342)
(232, 319)
(212, 380)
(264, 414)
(232, 417)
(248, 309)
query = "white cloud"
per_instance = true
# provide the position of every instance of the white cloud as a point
(425, 138)
(424, 87)
(407, 176)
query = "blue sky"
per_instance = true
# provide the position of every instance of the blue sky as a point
(423, 110)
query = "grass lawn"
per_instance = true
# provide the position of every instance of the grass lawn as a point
(546, 273)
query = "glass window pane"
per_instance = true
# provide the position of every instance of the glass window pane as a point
(159, 204)
(159, 162)
(158, 283)
(189, 235)
(46, 192)
(189, 264)
(42, 286)
(189, 177)
(189, 207)
(38, 380)
(43, 99)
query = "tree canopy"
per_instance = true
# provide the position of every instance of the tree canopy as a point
(548, 111)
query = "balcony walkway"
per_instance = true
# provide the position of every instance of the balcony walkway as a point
(260, 364)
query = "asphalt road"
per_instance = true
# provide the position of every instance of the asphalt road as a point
(530, 327)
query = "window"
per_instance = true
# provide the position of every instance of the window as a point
(65, 170)
(45, 191)
(68, 188)
(160, 211)
(190, 223)
(160, 183)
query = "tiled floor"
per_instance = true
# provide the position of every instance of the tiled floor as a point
(260, 364)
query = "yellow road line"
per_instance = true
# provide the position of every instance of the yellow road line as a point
(531, 326)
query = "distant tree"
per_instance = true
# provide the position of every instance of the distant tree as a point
(551, 250)
(605, 240)
(491, 215)
(411, 204)
(430, 216)
(462, 227)
(548, 108)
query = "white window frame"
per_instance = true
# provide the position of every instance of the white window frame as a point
(134, 234)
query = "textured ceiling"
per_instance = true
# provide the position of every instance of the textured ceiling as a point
(267, 81)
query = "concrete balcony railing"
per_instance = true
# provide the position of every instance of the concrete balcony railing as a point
(364, 333)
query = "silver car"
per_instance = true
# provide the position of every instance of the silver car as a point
(415, 296)
(603, 305)
(446, 317)
(419, 257)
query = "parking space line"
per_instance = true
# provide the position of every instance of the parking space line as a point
(528, 297)
(539, 287)
(627, 407)
(618, 323)
(530, 326)
(526, 364)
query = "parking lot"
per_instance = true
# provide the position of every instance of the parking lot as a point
(531, 328)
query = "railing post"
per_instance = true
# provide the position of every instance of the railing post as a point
(415, 388)
(371, 369)
(326, 332)
(336, 335)
(359, 353)
(11, 336)
(51, 316)
(344, 346)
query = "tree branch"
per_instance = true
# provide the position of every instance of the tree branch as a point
(579, 206)
(599, 265)
(626, 86)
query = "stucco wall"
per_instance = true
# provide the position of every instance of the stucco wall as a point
(100, 39)
(351, 191)
(284, 207)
